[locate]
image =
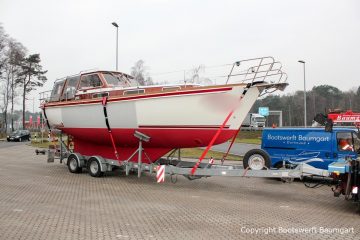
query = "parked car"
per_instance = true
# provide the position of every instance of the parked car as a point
(19, 136)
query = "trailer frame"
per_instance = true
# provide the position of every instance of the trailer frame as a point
(98, 165)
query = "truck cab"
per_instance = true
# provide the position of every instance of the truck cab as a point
(254, 121)
(313, 146)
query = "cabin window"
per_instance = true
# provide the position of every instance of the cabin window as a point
(70, 88)
(111, 79)
(56, 92)
(90, 81)
(99, 95)
(135, 91)
(168, 89)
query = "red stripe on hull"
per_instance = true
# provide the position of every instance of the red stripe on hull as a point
(96, 141)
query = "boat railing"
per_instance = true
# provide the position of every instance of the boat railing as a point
(253, 71)
(263, 69)
(45, 97)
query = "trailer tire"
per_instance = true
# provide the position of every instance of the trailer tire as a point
(73, 164)
(256, 159)
(94, 167)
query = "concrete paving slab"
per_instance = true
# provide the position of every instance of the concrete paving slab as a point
(40, 200)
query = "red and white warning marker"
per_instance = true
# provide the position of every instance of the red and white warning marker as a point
(160, 174)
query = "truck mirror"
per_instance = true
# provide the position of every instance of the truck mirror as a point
(324, 121)
(329, 126)
(320, 118)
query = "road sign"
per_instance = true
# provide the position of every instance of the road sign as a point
(264, 111)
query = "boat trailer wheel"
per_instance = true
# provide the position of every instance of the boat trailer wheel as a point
(256, 159)
(256, 162)
(73, 164)
(94, 167)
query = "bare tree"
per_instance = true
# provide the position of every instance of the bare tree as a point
(3, 40)
(6, 92)
(3, 80)
(140, 74)
(195, 74)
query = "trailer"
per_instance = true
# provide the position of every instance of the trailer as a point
(97, 166)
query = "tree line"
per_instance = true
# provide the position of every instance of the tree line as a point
(320, 99)
(20, 73)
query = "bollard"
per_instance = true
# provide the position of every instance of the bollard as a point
(51, 154)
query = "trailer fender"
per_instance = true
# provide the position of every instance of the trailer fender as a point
(80, 162)
(103, 164)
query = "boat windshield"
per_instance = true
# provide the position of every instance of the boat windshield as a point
(56, 92)
(70, 88)
(118, 80)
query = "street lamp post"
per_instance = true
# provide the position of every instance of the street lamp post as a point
(117, 42)
(303, 62)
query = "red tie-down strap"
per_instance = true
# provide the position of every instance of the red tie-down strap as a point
(193, 170)
(104, 103)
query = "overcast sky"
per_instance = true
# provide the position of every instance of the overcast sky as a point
(171, 35)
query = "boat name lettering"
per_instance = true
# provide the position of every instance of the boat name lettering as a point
(298, 138)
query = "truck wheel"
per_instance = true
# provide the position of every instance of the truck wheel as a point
(73, 164)
(94, 167)
(256, 159)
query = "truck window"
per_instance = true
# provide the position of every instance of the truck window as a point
(356, 142)
(345, 141)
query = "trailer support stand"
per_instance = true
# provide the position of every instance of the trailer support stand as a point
(142, 137)
(139, 158)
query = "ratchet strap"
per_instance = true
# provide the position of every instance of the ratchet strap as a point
(193, 170)
(231, 144)
(47, 122)
(104, 103)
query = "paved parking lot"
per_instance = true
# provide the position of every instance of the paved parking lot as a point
(39, 200)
